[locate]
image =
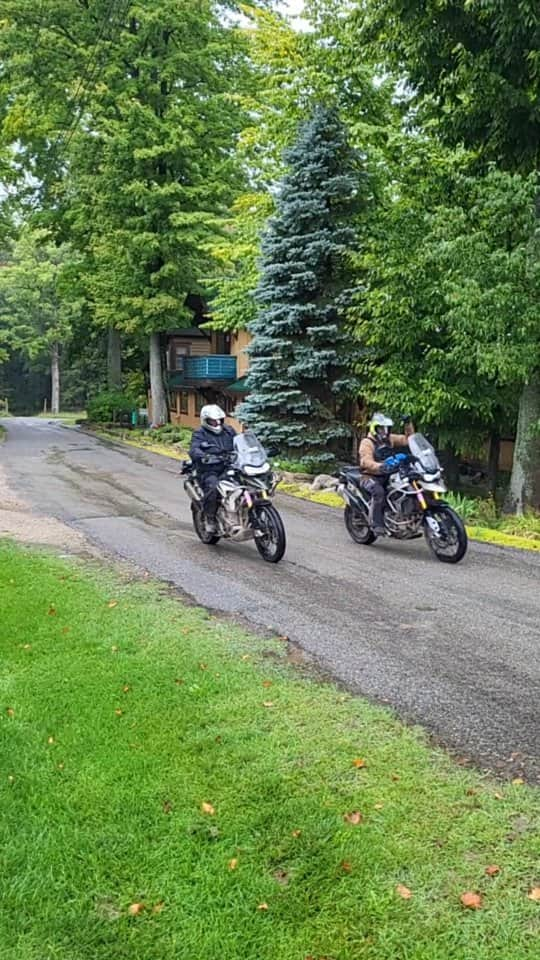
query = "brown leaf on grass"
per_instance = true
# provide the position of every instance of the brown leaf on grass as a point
(114, 649)
(284, 639)
(395, 777)
(233, 863)
(52, 611)
(403, 891)
(346, 866)
(498, 796)
(355, 817)
(126, 688)
(296, 833)
(118, 712)
(66, 629)
(179, 681)
(268, 703)
(267, 683)
(207, 808)
(262, 906)
(471, 792)
(358, 763)
(378, 806)
(135, 909)
(473, 901)
(534, 894)
(245, 656)
(518, 782)
(167, 806)
(203, 666)
(492, 870)
(158, 907)
(10, 712)
(281, 876)
(112, 603)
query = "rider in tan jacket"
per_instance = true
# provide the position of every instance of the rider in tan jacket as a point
(372, 452)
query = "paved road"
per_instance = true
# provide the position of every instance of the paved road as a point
(453, 648)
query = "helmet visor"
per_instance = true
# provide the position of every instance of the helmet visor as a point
(212, 422)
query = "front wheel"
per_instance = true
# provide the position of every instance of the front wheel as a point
(445, 534)
(199, 523)
(270, 539)
(358, 526)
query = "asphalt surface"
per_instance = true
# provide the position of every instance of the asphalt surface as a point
(455, 649)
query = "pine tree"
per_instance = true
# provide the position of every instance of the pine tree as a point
(300, 381)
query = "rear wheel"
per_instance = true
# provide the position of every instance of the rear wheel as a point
(358, 526)
(270, 541)
(445, 534)
(199, 523)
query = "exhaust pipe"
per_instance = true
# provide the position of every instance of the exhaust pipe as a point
(193, 490)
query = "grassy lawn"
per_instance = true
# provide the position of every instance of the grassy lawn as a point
(172, 790)
(2, 433)
(68, 416)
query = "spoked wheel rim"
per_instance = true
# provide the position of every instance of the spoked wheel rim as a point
(358, 526)
(271, 541)
(449, 543)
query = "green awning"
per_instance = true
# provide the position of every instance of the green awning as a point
(239, 386)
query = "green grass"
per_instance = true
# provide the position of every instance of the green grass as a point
(2, 433)
(67, 416)
(102, 809)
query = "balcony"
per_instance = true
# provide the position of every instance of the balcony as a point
(205, 371)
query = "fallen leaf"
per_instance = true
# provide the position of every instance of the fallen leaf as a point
(179, 681)
(473, 901)
(10, 712)
(281, 876)
(11, 778)
(217, 739)
(262, 906)
(135, 909)
(167, 806)
(60, 766)
(355, 817)
(232, 864)
(498, 796)
(268, 703)
(346, 866)
(534, 894)
(118, 712)
(114, 649)
(378, 806)
(471, 792)
(395, 777)
(207, 808)
(158, 907)
(50, 740)
(27, 646)
(358, 763)
(403, 891)
(283, 639)
(203, 666)
(52, 611)
(267, 683)
(492, 870)
(296, 833)
(126, 689)
(518, 782)
(245, 656)
(112, 603)
(66, 629)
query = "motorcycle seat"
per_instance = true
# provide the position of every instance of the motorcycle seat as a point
(351, 474)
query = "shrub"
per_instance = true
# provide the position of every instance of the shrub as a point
(109, 406)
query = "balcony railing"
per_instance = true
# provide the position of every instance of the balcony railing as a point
(214, 368)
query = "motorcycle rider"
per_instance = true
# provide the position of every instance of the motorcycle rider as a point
(212, 439)
(377, 462)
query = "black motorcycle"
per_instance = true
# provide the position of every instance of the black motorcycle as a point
(414, 504)
(245, 511)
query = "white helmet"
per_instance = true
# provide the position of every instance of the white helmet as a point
(212, 417)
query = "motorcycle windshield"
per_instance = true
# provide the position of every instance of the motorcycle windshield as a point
(249, 451)
(422, 450)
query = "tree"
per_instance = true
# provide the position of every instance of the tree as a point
(473, 73)
(36, 303)
(299, 380)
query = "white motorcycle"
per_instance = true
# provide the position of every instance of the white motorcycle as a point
(245, 511)
(414, 504)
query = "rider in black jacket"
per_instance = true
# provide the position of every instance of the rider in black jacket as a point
(213, 440)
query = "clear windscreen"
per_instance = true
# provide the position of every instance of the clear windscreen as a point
(249, 450)
(423, 451)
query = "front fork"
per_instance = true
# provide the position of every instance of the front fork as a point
(432, 523)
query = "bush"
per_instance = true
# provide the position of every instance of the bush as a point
(109, 406)
(169, 433)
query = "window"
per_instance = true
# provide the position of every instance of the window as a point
(199, 403)
(178, 356)
(184, 401)
(223, 343)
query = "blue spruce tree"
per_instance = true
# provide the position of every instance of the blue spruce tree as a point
(300, 380)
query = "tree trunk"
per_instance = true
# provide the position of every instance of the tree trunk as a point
(524, 489)
(114, 360)
(493, 461)
(55, 379)
(160, 412)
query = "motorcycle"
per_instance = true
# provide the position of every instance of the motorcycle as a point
(414, 504)
(245, 491)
